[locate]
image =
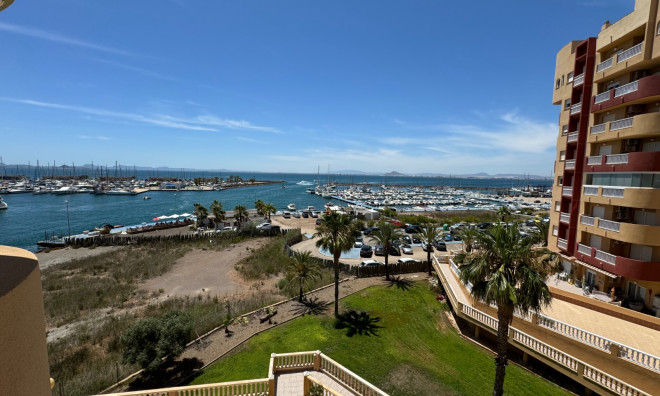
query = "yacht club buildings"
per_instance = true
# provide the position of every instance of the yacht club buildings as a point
(605, 219)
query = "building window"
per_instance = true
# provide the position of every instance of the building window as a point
(567, 104)
(564, 129)
(557, 206)
(555, 230)
(658, 28)
(562, 80)
(569, 77)
(560, 180)
(557, 84)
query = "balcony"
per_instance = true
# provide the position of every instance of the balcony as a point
(605, 257)
(605, 65)
(572, 137)
(591, 190)
(565, 218)
(576, 108)
(569, 164)
(629, 53)
(619, 265)
(613, 192)
(587, 220)
(567, 191)
(641, 161)
(639, 126)
(584, 249)
(579, 80)
(562, 244)
(628, 94)
(609, 225)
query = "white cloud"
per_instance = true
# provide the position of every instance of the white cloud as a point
(57, 38)
(86, 137)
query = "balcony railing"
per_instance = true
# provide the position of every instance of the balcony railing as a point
(584, 249)
(576, 108)
(602, 97)
(570, 164)
(626, 89)
(572, 137)
(590, 190)
(594, 160)
(596, 129)
(621, 124)
(604, 65)
(565, 217)
(565, 329)
(587, 220)
(616, 159)
(613, 192)
(562, 243)
(567, 191)
(579, 80)
(609, 225)
(605, 257)
(629, 53)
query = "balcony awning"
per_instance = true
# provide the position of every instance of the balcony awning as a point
(602, 271)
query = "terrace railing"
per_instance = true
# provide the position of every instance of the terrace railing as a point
(587, 220)
(584, 249)
(629, 53)
(626, 89)
(609, 225)
(614, 159)
(621, 124)
(562, 243)
(570, 164)
(605, 257)
(604, 65)
(591, 190)
(602, 97)
(579, 80)
(570, 331)
(613, 192)
(600, 128)
(572, 137)
(576, 108)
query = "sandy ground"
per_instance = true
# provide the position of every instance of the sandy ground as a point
(59, 256)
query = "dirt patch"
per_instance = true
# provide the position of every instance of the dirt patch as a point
(204, 272)
(414, 381)
(60, 256)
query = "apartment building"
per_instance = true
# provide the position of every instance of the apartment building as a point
(605, 218)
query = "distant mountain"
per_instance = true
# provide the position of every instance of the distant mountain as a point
(394, 173)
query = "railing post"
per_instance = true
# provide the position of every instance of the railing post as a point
(477, 329)
(317, 361)
(535, 318)
(614, 349)
(306, 383)
(580, 370)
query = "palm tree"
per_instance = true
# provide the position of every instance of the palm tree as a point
(385, 236)
(504, 213)
(218, 211)
(201, 213)
(270, 209)
(469, 237)
(240, 213)
(508, 272)
(303, 268)
(336, 234)
(260, 205)
(541, 233)
(429, 233)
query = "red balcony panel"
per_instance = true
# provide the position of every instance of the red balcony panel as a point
(626, 267)
(648, 86)
(647, 161)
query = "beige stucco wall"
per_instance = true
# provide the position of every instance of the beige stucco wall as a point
(565, 64)
(23, 353)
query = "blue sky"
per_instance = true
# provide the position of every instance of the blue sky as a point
(413, 86)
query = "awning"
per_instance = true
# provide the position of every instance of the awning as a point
(602, 271)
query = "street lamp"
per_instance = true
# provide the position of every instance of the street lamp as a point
(68, 222)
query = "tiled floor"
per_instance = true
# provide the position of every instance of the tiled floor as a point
(291, 384)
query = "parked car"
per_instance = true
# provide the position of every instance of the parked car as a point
(226, 229)
(416, 240)
(406, 249)
(440, 245)
(427, 247)
(263, 226)
(447, 238)
(413, 229)
(365, 251)
(407, 260)
(457, 238)
(319, 221)
(406, 239)
(305, 214)
(394, 251)
(370, 230)
(371, 263)
(357, 244)
(379, 250)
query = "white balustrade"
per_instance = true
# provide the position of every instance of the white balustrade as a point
(613, 192)
(235, 388)
(621, 124)
(596, 129)
(614, 159)
(567, 191)
(480, 317)
(562, 243)
(584, 249)
(575, 333)
(349, 379)
(602, 97)
(605, 257)
(587, 220)
(629, 53)
(576, 108)
(565, 217)
(546, 350)
(608, 382)
(609, 225)
(638, 357)
(572, 137)
(604, 65)
(570, 164)
(298, 361)
(590, 190)
(579, 80)
(626, 89)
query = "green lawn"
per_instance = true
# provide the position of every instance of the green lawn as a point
(414, 352)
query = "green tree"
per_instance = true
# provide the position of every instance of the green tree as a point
(201, 212)
(260, 206)
(270, 209)
(150, 340)
(219, 213)
(508, 272)
(540, 235)
(428, 235)
(240, 213)
(388, 212)
(302, 269)
(336, 234)
(386, 236)
(469, 237)
(504, 213)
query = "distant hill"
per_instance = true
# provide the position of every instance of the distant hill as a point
(394, 173)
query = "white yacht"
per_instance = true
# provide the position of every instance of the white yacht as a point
(291, 206)
(3, 204)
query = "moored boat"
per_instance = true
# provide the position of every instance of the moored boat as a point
(291, 206)
(3, 204)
